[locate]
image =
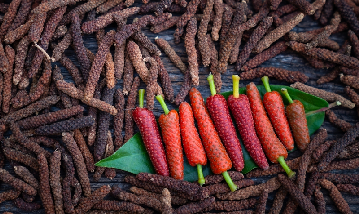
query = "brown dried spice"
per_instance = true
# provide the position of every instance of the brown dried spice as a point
(274, 169)
(339, 165)
(165, 80)
(224, 188)
(79, 47)
(112, 205)
(119, 61)
(231, 35)
(105, 20)
(46, 36)
(165, 25)
(147, 186)
(336, 196)
(349, 137)
(234, 205)
(98, 63)
(87, 203)
(6, 94)
(340, 123)
(24, 141)
(278, 201)
(110, 173)
(214, 179)
(145, 42)
(43, 82)
(50, 5)
(278, 73)
(236, 49)
(354, 43)
(257, 34)
(44, 191)
(107, 6)
(37, 27)
(161, 6)
(265, 55)
(201, 35)
(88, 158)
(218, 19)
(110, 71)
(9, 17)
(193, 191)
(303, 5)
(183, 20)
(184, 89)
(66, 192)
(81, 10)
(354, 97)
(54, 167)
(277, 33)
(328, 96)
(65, 125)
(350, 80)
(347, 14)
(296, 194)
(189, 43)
(214, 63)
(166, 202)
(60, 32)
(131, 102)
(256, 190)
(92, 129)
(321, 149)
(21, 157)
(103, 125)
(21, 52)
(170, 52)
(196, 207)
(26, 206)
(1, 87)
(348, 188)
(27, 176)
(62, 46)
(141, 200)
(119, 118)
(20, 32)
(21, 15)
(77, 191)
(78, 161)
(261, 202)
(175, 200)
(9, 195)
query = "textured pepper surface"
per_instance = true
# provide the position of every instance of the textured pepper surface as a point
(55, 182)
(240, 109)
(169, 51)
(272, 146)
(196, 207)
(191, 50)
(87, 203)
(275, 109)
(27, 176)
(219, 112)
(16, 183)
(66, 125)
(44, 191)
(350, 80)
(336, 196)
(340, 123)
(224, 188)
(215, 151)
(145, 120)
(348, 188)
(170, 130)
(277, 73)
(193, 147)
(348, 14)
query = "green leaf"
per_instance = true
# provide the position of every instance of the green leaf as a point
(132, 156)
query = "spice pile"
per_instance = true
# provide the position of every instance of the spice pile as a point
(39, 107)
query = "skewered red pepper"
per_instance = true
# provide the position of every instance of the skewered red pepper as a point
(240, 109)
(149, 131)
(215, 151)
(297, 118)
(273, 148)
(219, 111)
(275, 109)
(170, 130)
(191, 141)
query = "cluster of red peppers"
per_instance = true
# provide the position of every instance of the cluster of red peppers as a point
(267, 128)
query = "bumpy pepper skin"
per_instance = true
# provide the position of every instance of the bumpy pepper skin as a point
(275, 108)
(297, 120)
(272, 146)
(219, 112)
(145, 120)
(215, 151)
(170, 130)
(191, 141)
(240, 109)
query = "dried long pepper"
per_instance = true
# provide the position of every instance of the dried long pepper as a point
(256, 35)
(219, 11)
(95, 197)
(347, 14)
(26, 175)
(9, 17)
(131, 102)
(6, 94)
(44, 191)
(66, 125)
(340, 123)
(54, 168)
(183, 20)
(336, 196)
(350, 80)
(354, 40)
(191, 51)
(201, 34)
(21, 157)
(269, 53)
(169, 51)
(328, 96)
(280, 31)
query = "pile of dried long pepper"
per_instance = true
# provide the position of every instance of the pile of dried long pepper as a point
(53, 131)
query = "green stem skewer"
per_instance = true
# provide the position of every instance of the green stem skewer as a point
(287, 95)
(265, 81)
(141, 97)
(331, 105)
(236, 80)
(163, 104)
(201, 179)
(283, 164)
(229, 181)
(210, 79)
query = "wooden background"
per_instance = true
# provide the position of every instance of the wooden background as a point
(287, 60)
